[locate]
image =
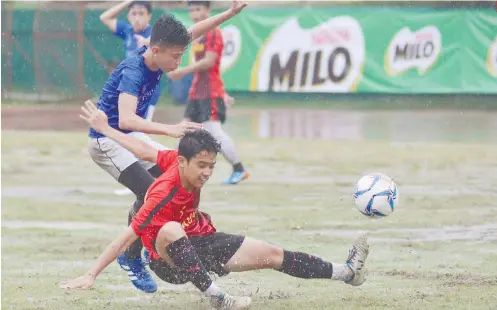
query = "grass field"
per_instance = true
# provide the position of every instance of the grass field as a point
(438, 250)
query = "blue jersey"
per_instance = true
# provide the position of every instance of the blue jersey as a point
(125, 31)
(133, 77)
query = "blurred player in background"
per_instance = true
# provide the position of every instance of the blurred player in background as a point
(208, 100)
(125, 99)
(135, 33)
(183, 241)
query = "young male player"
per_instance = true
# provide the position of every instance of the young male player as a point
(125, 99)
(135, 33)
(207, 98)
(183, 241)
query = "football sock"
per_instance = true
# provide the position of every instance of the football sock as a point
(184, 256)
(238, 167)
(138, 180)
(135, 249)
(306, 266)
(342, 272)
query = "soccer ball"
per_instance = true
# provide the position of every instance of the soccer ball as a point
(376, 195)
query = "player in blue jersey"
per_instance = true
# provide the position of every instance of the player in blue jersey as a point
(125, 99)
(135, 33)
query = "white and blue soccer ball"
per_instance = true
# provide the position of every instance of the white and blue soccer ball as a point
(376, 195)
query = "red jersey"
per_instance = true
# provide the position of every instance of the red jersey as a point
(208, 84)
(168, 201)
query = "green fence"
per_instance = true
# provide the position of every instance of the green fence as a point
(50, 54)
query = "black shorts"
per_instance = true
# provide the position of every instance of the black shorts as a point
(202, 110)
(214, 250)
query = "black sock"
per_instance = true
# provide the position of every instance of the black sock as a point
(306, 266)
(135, 249)
(238, 167)
(138, 180)
(184, 256)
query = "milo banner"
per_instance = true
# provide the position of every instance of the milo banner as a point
(365, 50)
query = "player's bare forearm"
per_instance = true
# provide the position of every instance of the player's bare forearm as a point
(128, 120)
(203, 64)
(136, 123)
(201, 28)
(139, 148)
(199, 66)
(109, 17)
(112, 251)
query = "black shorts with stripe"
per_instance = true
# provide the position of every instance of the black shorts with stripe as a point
(214, 250)
(202, 110)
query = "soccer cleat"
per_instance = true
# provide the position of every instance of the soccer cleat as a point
(137, 273)
(357, 260)
(227, 302)
(236, 177)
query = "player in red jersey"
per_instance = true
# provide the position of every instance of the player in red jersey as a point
(183, 242)
(207, 98)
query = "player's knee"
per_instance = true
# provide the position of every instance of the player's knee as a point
(272, 255)
(171, 232)
(168, 234)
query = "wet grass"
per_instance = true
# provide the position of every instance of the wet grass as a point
(298, 196)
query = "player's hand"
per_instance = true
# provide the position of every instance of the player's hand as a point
(141, 41)
(94, 117)
(176, 74)
(237, 6)
(85, 282)
(179, 130)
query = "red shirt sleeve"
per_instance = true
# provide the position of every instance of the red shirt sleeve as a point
(214, 42)
(155, 209)
(165, 158)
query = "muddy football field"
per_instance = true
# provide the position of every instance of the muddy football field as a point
(438, 250)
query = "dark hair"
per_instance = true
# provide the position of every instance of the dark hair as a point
(207, 4)
(146, 4)
(168, 30)
(197, 141)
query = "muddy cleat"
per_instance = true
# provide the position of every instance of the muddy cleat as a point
(236, 177)
(227, 302)
(137, 273)
(357, 260)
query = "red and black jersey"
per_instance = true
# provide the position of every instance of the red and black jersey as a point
(168, 201)
(208, 84)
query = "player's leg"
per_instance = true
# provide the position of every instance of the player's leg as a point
(213, 115)
(125, 168)
(152, 168)
(174, 247)
(256, 254)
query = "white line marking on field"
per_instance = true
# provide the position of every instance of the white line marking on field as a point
(12, 224)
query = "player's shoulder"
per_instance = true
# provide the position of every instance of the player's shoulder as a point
(133, 61)
(166, 184)
(122, 25)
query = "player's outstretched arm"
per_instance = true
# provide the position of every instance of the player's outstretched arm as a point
(203, 64)
(109, 17)
(128, 120)
(112, 251)
(201, 28)
(98, 121)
